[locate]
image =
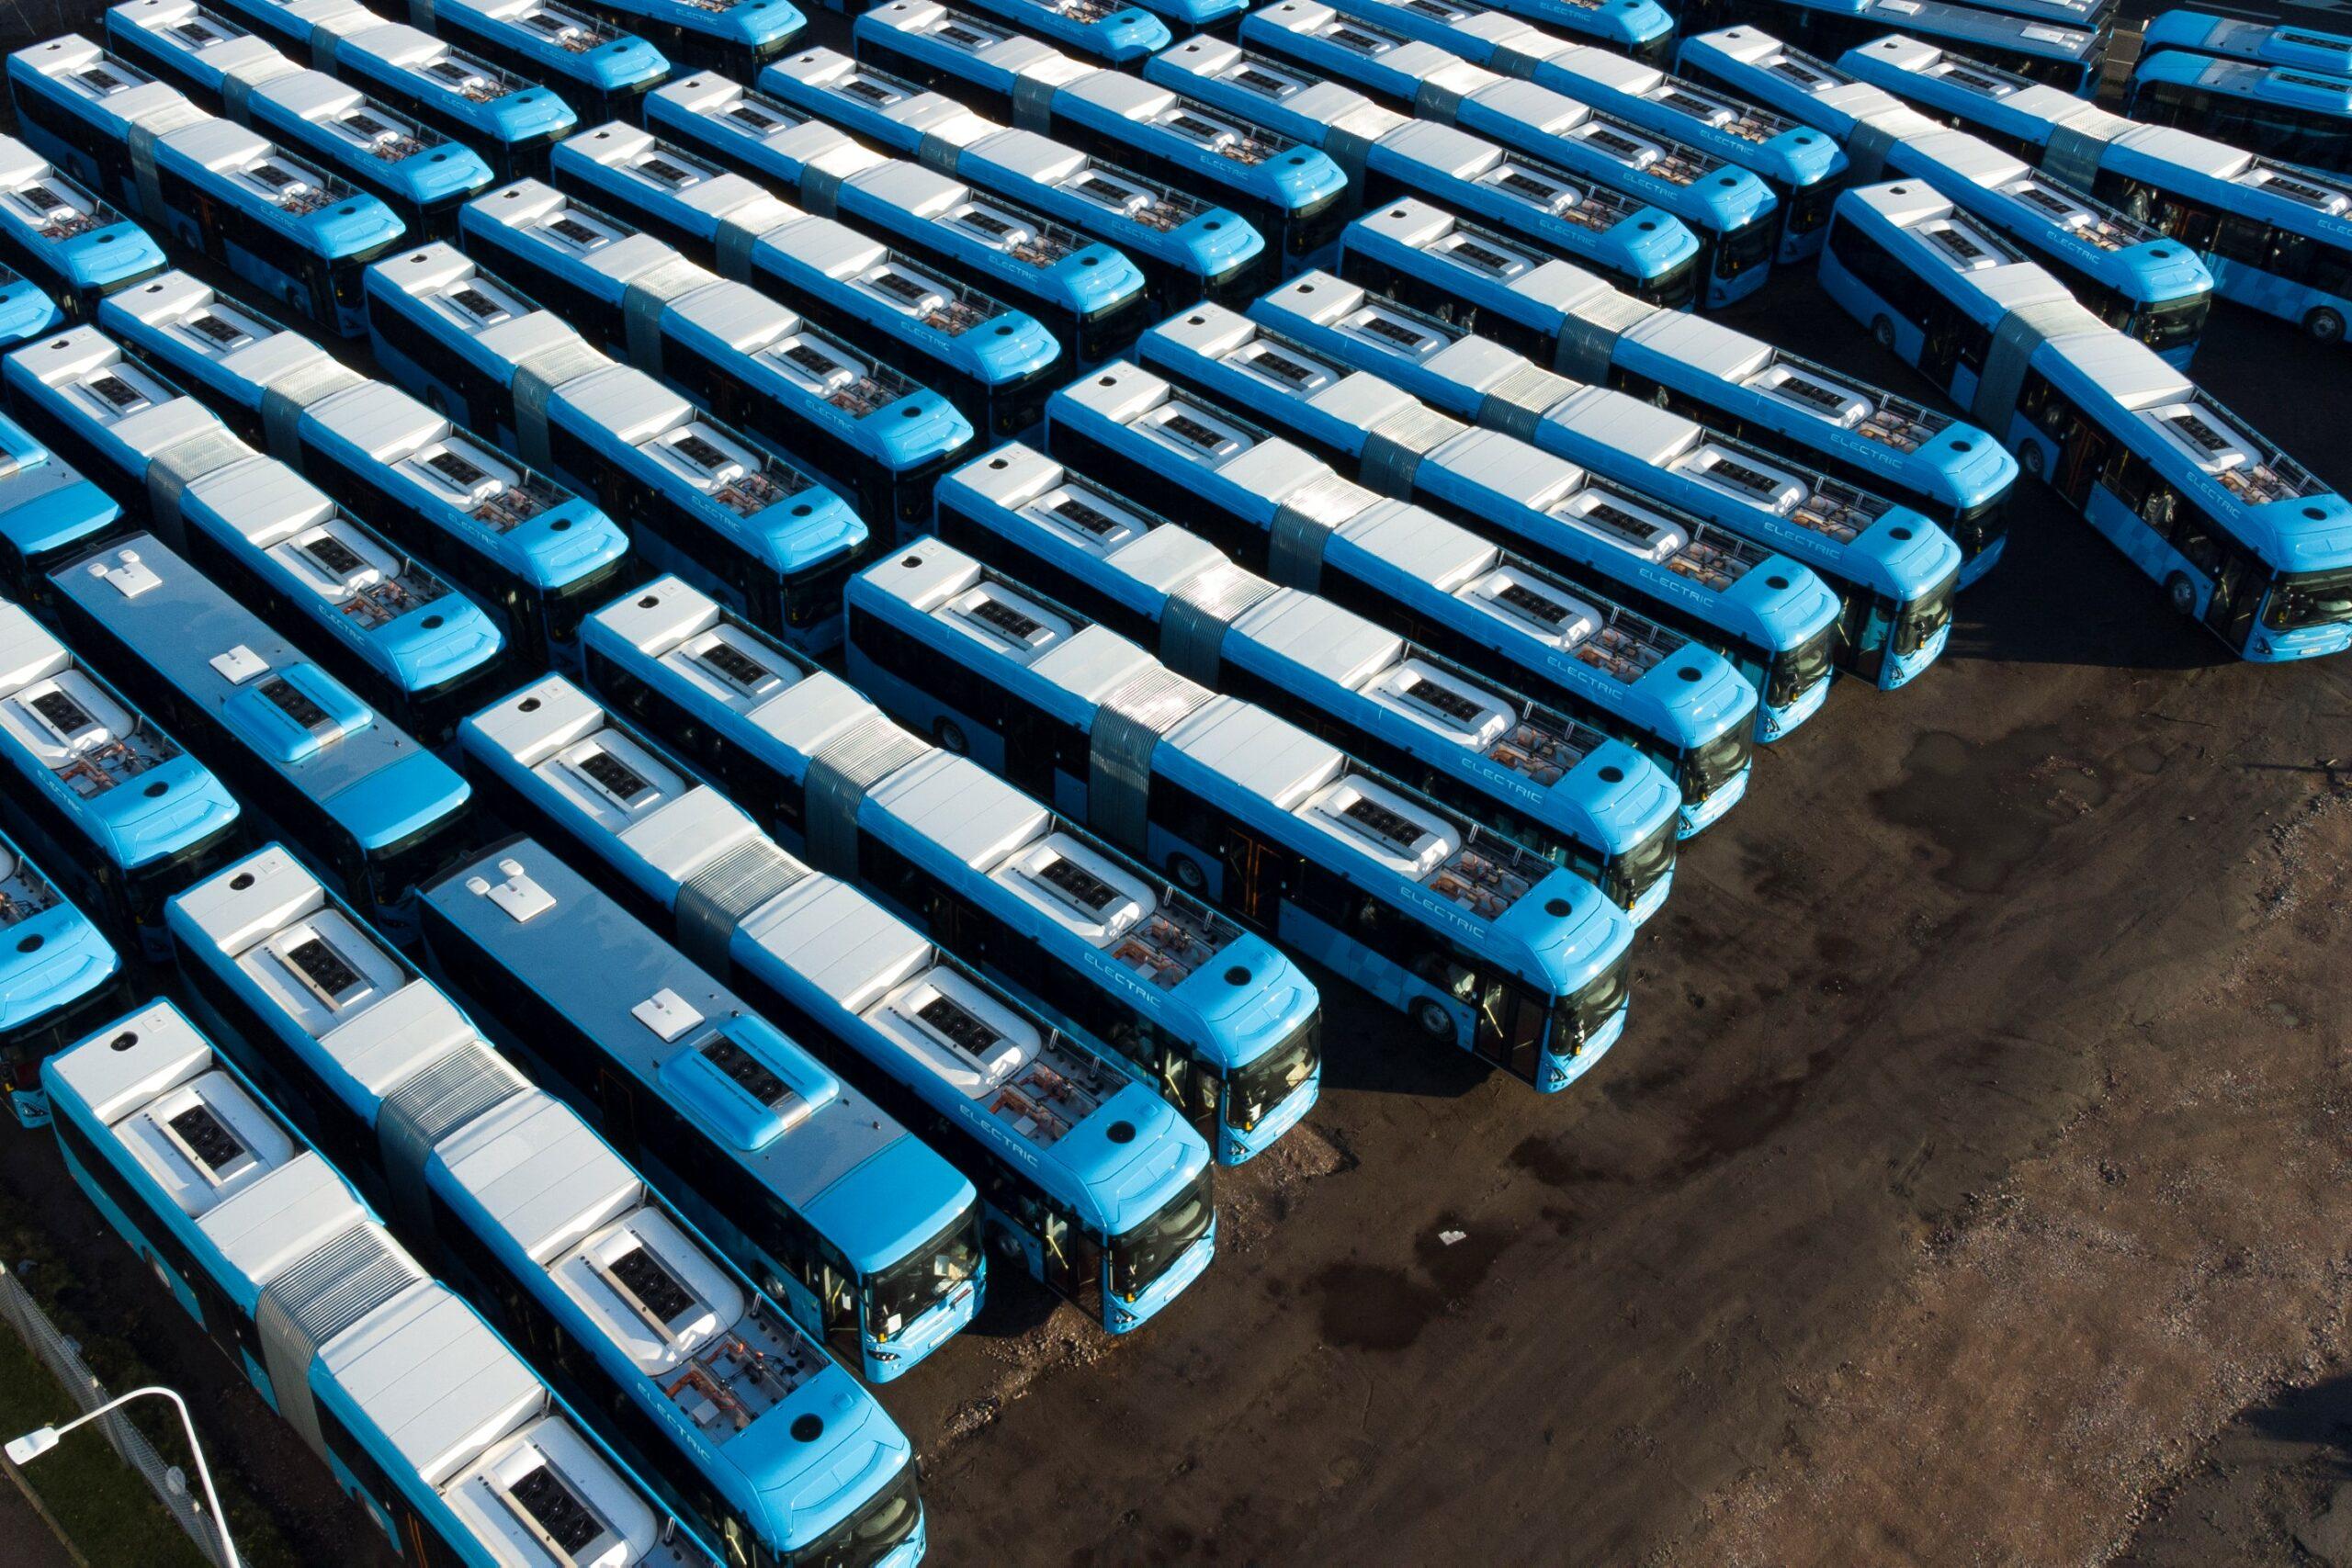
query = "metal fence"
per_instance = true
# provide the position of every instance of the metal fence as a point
(59, 1354)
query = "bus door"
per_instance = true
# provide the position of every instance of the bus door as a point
(1509, 1029)
(1939, 348)
(2082, 456)
(1253, 880)
(2239, 584)
(1073, 1260)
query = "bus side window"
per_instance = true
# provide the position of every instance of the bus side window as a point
(2243, 240)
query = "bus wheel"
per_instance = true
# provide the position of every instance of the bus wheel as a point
(2033, 460)
(1883, 334)
(950, 736)
(1434, 1021)
(2324, 325)
(1188, 875)
(2182, 594)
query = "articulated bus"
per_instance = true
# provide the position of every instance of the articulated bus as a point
(2068, 57)
(1188, 248)
(700, 499)
(1770, 616)
(995, 363)
(448, 1441)
(74, 247)
(696, 1371)
(2244, 540)
(2137, 279)
(1800, 164)
(1486, 945)
(532, 555)
(2277, 237)
(859, 424)
(2299, 116)
(1568, 320)
(417, 653)
(373, 811)
(1293, 196)
(1218, 1017)
(417, 171)
(603, 70)
(116, 808)
(1284, 512)
(1732, 212)
(1088, 1179)
(60, 978)
(49, 513)
(1117, 35)
(1893, 569)
(1388, 155)
(508, 121)
(2257, 42)
(297, 234)
(1507, 762)
(1090, 296)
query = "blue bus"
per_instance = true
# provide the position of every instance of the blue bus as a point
(2055, 53)
(508, 121)
(299, 235)
(1090, 296)
(2293, 47)
(531, 554)
(1388, 156)
(2138, 279)
(700, 499)
(734, 37)
(1218, 1018)
(1732, 212)
(1892, 570)
(603, 70)
(117, 808)
(418, 172)
(1187, 247)
(60, 978)
(993, 361)
(1800, 164)
(1088, 1179)
(697, 1371)
(59, 237)
(1769, 616)
(1484, 944)
(1117, 35)
(1292, 195)
(1639, 31)
(2277, 237)
(376, 812)
(2246, 541)
(1572, 321)
(49, 512)
(866, 429)
(447, 1440)
(2299, 116)
(1283, 511)
(1507, 762)
(416, 652)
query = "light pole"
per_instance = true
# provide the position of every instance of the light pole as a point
(39, 1441)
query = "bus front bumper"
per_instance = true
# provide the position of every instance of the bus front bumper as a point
(893, 1358)
(1694, 817)
(1559, 1071)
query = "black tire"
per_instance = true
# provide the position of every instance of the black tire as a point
(951, 737)
(1883, 334)
(2034, 461)
(1188, 875)
(1433, 1020)
(2324, 325)
(2181, 594)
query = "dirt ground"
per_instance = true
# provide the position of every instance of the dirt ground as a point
(1968, 1189)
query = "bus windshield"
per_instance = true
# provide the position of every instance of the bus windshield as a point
(1706, 769)
(1636, 870)
(1926, 615)
(1268, 1081)
(1144, 1252)
(907, 1289)
(870, 1534)
(2303, 599)
(410, 862)
(2175, 321)
(1578, 1019)
(568, 605)
(1794, 671)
